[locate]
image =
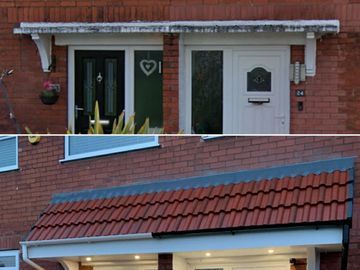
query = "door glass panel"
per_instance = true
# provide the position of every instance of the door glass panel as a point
(148, 88)
(89, 86)
(259, 80)
(207, 92)
(111, 87)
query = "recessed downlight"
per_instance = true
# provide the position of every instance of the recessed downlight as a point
(208, 254)
(137, 257)
(271, 251)
(88, 259)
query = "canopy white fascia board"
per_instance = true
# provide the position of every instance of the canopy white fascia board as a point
(98, 246)
(240, 26)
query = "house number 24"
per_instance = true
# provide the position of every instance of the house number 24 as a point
(300, 93)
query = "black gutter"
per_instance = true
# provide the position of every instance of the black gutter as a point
(347, 225)
(314, 225)
(345, 252)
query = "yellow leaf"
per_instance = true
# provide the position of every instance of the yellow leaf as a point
(145, 128)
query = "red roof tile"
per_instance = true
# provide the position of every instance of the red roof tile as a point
(298, 200)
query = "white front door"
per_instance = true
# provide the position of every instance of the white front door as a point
(260, 92)
(237, 89)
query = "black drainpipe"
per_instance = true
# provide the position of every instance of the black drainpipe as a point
(345, 252)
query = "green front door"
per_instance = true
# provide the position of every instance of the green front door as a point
(148, 88)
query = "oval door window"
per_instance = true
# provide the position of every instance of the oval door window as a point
(259, 80)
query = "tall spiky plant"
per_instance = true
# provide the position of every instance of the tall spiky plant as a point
(118, 125)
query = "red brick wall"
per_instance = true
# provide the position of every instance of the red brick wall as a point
(165, 261)
(300, 264)
(325, 102)
(298, 119)
(332, 96)
(332, 261)
(171, 83)
(25, 193)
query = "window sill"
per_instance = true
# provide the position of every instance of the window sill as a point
(9, 169)
(110, 152)
(211, 137)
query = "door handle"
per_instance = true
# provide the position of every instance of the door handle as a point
(282, 118)
(102, 122)
(99, 78)
(77, 109)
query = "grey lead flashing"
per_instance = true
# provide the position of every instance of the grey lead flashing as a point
(317, 26)
(351, 192)
(302, 169)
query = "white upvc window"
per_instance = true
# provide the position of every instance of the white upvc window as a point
(79, 147)
(8, 153)
(9, 260)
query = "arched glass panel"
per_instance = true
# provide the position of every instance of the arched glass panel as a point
(259, 80)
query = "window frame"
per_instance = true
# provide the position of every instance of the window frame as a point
(8, 253)
(109, 151)
(16, 166)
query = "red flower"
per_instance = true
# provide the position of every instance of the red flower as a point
(48, 85)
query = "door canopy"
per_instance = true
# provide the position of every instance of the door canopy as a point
(302, 205)
(318, 193)
(41, 32)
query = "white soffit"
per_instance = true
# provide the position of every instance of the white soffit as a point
(317, 26)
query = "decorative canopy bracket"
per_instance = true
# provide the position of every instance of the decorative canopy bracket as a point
(43, 43)
(310, 54)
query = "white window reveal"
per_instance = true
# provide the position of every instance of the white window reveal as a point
(9, 153)
(9, 260)
(78, 147)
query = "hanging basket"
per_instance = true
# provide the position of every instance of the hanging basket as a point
(49, 98)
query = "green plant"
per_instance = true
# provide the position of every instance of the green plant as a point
(33, 139)
(118, 126)
(47, 93)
